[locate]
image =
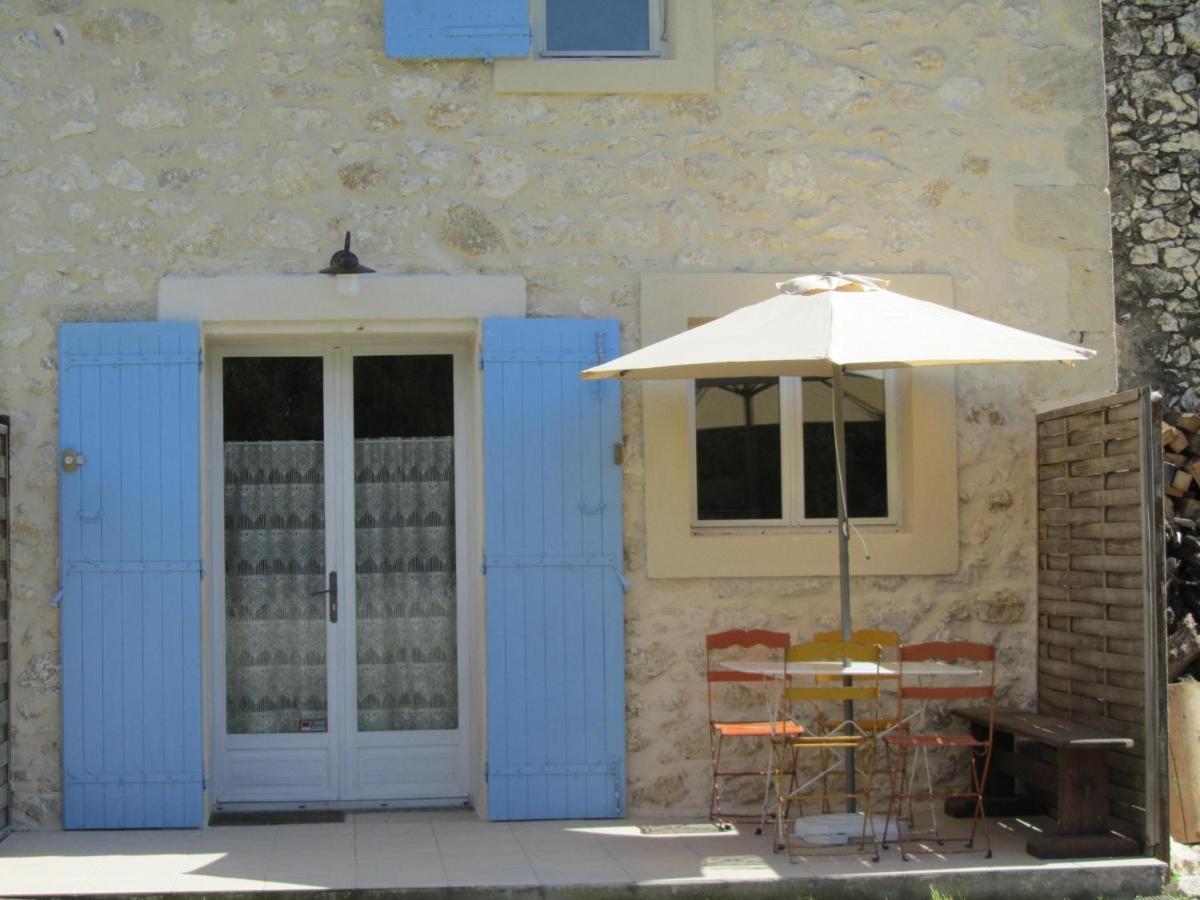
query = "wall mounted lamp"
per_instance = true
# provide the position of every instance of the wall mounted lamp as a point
(345, 268)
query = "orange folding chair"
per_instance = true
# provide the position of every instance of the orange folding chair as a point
(760, 730)
(941, 671)
(815, 680)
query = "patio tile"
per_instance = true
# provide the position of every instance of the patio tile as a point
(568, 871)
(313, 874)
(491, 875)
(394, 837)
(414, 872)
(367, 817)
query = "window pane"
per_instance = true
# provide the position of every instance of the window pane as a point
(588, 25)
(737, 448)
(275, 672)
(866, 447)
(407, 599)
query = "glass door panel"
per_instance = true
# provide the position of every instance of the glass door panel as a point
(275, 565)
(404, 538)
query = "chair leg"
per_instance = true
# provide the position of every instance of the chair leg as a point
(904, 793)
(979, 768)
(714, 807)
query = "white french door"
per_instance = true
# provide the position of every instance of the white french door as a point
(339, 619)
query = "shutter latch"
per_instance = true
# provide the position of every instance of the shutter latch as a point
(72, 460)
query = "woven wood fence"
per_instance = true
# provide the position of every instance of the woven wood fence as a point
(1101, 658)
(5, 447)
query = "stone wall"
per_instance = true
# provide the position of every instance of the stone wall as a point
(212, 137)
(1152, 61)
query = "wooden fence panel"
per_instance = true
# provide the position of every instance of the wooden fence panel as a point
(5, 597)
(1101, 658)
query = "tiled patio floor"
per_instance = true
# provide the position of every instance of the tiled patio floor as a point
(439, 849)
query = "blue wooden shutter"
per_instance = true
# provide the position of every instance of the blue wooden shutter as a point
(129, 403)
(554, 603)
(456, 29)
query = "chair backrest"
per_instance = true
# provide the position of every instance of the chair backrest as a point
(880, 636)
(743, 639)
(947, 685)
(825, 683)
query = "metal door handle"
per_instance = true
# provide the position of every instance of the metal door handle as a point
(332, 592)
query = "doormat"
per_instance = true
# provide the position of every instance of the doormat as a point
(278, 817)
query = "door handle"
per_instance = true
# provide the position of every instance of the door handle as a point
(332, 592)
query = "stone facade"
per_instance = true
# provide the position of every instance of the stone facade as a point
(1152, 61)
(211, 137)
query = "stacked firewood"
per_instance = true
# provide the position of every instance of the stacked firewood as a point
(1181, 482)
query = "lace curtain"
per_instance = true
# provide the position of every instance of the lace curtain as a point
(274, 560)
(406, 599)
(404, 570)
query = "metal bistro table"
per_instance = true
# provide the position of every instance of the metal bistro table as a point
(775, 670)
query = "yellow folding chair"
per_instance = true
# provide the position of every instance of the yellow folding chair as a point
(815, 685)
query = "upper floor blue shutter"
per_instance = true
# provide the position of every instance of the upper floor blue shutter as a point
(554, 600)
(129, 415)
(456, 29)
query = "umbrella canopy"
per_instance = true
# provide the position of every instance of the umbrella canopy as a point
(821, 321)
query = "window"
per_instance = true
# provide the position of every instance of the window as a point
(585, 28)
(614, 47)
(764, 452)
(918, 536)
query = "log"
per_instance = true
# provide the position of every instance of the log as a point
(1187, 507)
(1182, 480)
(1183, 740)
(1183, 647)
(1188, 421)
(1171, 437)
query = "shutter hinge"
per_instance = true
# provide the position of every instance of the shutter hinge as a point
(619, 453)
(479, 361)
(483, 565)
(598, 385)
(485, 773)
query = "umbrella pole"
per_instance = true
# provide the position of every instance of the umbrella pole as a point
(839, 453)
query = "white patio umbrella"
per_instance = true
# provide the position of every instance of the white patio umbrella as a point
(824, 326)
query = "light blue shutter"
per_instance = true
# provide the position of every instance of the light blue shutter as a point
(129, 404)
(554, 601)
(456, 29)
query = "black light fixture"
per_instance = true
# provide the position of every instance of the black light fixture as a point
(345, 267)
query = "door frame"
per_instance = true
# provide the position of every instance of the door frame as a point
(460, 345)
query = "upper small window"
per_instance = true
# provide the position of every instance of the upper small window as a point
(587, 28)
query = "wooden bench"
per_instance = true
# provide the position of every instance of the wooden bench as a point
(1077, 781)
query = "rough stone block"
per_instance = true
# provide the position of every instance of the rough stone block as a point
(1063, 217)
(1090, 291)
(1056, 78)
(1087, 151)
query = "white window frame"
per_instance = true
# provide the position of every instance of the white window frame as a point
(791, 461)
(658, 37)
